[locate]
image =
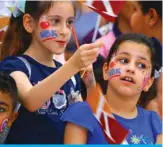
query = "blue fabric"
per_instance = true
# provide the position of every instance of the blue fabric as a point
(143, 129)
(116, 30)
(43, 126)
(80, 114)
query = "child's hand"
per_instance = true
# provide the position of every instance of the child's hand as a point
(85, 55)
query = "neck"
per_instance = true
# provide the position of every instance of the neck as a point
(122, 105)
(40, 54)
(123, 25)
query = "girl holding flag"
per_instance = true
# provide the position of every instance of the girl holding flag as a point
(37, 31)
(130, 72)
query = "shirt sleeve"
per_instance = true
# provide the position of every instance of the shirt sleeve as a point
(11, 64)
(80, 114)
(156, 124)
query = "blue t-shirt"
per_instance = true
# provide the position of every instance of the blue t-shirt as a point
(43, 126)
(143, 129)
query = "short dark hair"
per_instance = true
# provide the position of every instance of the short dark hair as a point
(8, 86)
(146, 5)
(138, 38)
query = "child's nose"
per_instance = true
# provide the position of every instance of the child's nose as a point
(64, 30)
(131, 68)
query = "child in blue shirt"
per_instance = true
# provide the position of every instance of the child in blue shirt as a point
(133, 56)
(37, 31)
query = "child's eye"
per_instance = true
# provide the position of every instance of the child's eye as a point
(70, 23)
(55, 21)
(2, 110)
(141, 66)
(123, 60)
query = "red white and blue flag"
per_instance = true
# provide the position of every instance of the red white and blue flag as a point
(107, 9)
(113, 130)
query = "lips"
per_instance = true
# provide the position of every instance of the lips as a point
(60, 42)
(128, 79)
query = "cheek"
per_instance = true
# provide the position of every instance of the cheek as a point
(144, 77)
(133, 21)
(114, 73)
(44, 25)
(70, 34)
(48, 34)
(3, 124)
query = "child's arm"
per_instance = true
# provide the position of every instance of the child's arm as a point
(159, 139)
(75, 134)
(34, 97)
(89, 79)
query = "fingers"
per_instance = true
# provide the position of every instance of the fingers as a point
(91, 46)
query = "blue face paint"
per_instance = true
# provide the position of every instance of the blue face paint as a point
(114, 73)
(48, 35)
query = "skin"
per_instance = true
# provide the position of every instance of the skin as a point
(132, 58)
(121, 103)
(150, 24)
(43, 53)
(6, 109)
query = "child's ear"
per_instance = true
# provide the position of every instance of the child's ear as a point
(153, 17)
(149, 84)
(29, 23)
(12, 119)
(105, 71)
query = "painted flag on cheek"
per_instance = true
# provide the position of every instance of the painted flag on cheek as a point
(113, 131)
(107, 9)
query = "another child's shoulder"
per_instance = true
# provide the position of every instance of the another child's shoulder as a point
(9, 59)
(11, 64)
(79, 108)
(80, 113)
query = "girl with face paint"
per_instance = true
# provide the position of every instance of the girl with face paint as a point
(44, 29)
(130, 64)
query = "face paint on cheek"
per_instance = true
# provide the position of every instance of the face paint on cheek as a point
(112, 64)
(44, 24)
(48, 35)
(4, 123)
(4, 130)
(115, 72)
(145, 80)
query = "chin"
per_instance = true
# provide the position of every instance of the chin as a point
(58, 52)
(126, 91)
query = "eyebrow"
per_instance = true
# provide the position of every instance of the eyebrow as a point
(3, 103)
(58, 16)
(126, 53)
(123, 53)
